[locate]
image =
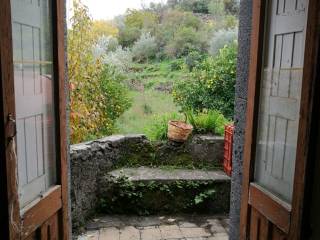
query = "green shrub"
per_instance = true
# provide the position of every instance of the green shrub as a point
(207, 122)
(176, 65)
(158, 128)
(230, 22)
(185, 40)
(179, 33)
(145, 48)
(147, 109)
(232, 6)
(212, 85)
(216, 7)
(222, 38)
(116, 98)
(193, 60)
(128, 35)
(104, 45)
(121, 59)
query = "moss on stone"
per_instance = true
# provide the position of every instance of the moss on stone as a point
(120, 195)
(162, 154)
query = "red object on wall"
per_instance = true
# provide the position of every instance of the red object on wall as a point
(228, 142)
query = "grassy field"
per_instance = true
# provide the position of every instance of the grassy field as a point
(150, 89)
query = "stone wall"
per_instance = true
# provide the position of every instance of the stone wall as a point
(240, 115)
(199, 151)
(92, 160)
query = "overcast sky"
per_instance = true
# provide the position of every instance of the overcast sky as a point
(108, 9)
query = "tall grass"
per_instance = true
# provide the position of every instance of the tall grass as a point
(158, 128)
(146, 105)
(207, 122)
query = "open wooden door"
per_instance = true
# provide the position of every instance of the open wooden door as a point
(33, 120)
(284, 47)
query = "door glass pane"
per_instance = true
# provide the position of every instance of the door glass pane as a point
(278, 119)
(33, 81)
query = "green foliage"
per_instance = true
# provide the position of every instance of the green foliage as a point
(200, 198)
(180, 26)
(115, 92)
(177, 64)
(127, 36)
(104, 28)
(147, 109)
(158, 128)
(179, 33)
(135, 21)
(206, 6)
(121, 59)
(222, 38)
(150, 84)
(207, 122)
(193, 60)
(104, 45)
(216, 8)
(104, 56)
(230, 22)
(185, 40)
(232, 7)
(120, 195)
(141, 19)
(145, 48)
(196, 6)
(92, 86)
(212, 85)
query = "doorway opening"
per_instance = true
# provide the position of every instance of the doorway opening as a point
(152, 89)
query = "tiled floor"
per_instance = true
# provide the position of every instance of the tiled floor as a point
(157, 228)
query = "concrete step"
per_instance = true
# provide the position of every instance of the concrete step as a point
(147, 190)
(166, 174)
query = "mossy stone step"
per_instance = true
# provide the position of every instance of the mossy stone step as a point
(147, 190)
(144, 174)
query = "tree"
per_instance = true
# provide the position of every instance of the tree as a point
(135, 22)
(180, 32)
(145, 48)
(222, 38)
(128, 35)
(212, 84)
(104, 28)
(94, 91)
(184, 41)
(141, 19)
(200, 7)
(232, 6)
(217, 8)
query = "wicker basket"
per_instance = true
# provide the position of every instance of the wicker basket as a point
(179, 131)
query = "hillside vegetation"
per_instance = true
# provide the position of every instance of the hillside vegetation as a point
(146, 66)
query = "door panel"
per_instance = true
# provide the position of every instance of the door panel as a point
(280, 93)
(284, 51)
(50, 229)
(34, 81)
(33, 166)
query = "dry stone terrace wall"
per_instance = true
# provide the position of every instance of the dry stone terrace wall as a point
(92, 160)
